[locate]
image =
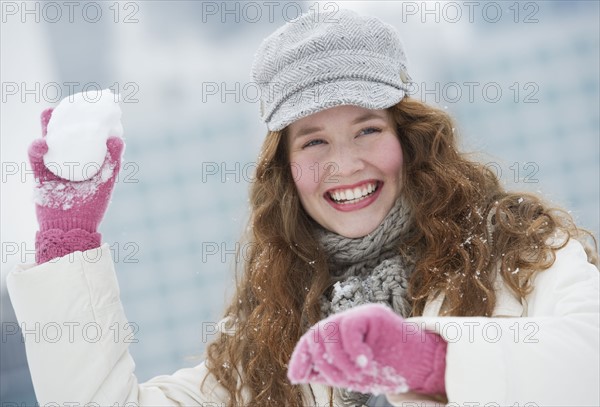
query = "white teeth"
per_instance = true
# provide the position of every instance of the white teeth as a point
(352, 195)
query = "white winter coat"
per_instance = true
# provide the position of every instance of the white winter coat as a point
(549, 357)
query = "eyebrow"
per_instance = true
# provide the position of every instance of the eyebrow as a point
(364, 117)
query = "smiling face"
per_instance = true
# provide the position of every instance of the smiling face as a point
(346, 162)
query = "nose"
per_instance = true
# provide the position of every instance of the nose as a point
(345, 161)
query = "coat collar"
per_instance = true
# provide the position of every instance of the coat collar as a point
(507, 304)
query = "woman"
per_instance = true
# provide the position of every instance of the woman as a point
(360, 197)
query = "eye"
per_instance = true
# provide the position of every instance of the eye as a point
(312, 143)
(370, 130)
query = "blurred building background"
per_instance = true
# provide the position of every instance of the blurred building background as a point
(521, 79)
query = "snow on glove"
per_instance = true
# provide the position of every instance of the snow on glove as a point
(370, 349)
(69, 212)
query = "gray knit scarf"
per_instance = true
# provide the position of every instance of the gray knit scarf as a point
(368, 270)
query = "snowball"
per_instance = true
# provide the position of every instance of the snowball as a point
(77, 133)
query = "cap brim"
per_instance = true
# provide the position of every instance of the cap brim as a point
(321, 96)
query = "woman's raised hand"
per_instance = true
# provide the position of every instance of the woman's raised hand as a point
(370, 349)
(69, 212)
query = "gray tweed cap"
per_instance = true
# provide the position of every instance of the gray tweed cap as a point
(327, 59)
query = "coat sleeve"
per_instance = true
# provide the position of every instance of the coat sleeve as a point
(548, 358)
(77, 338)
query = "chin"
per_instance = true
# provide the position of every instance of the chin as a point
(354, 233)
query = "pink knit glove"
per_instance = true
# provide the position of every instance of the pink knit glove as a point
(370, 349)
(69, 212)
